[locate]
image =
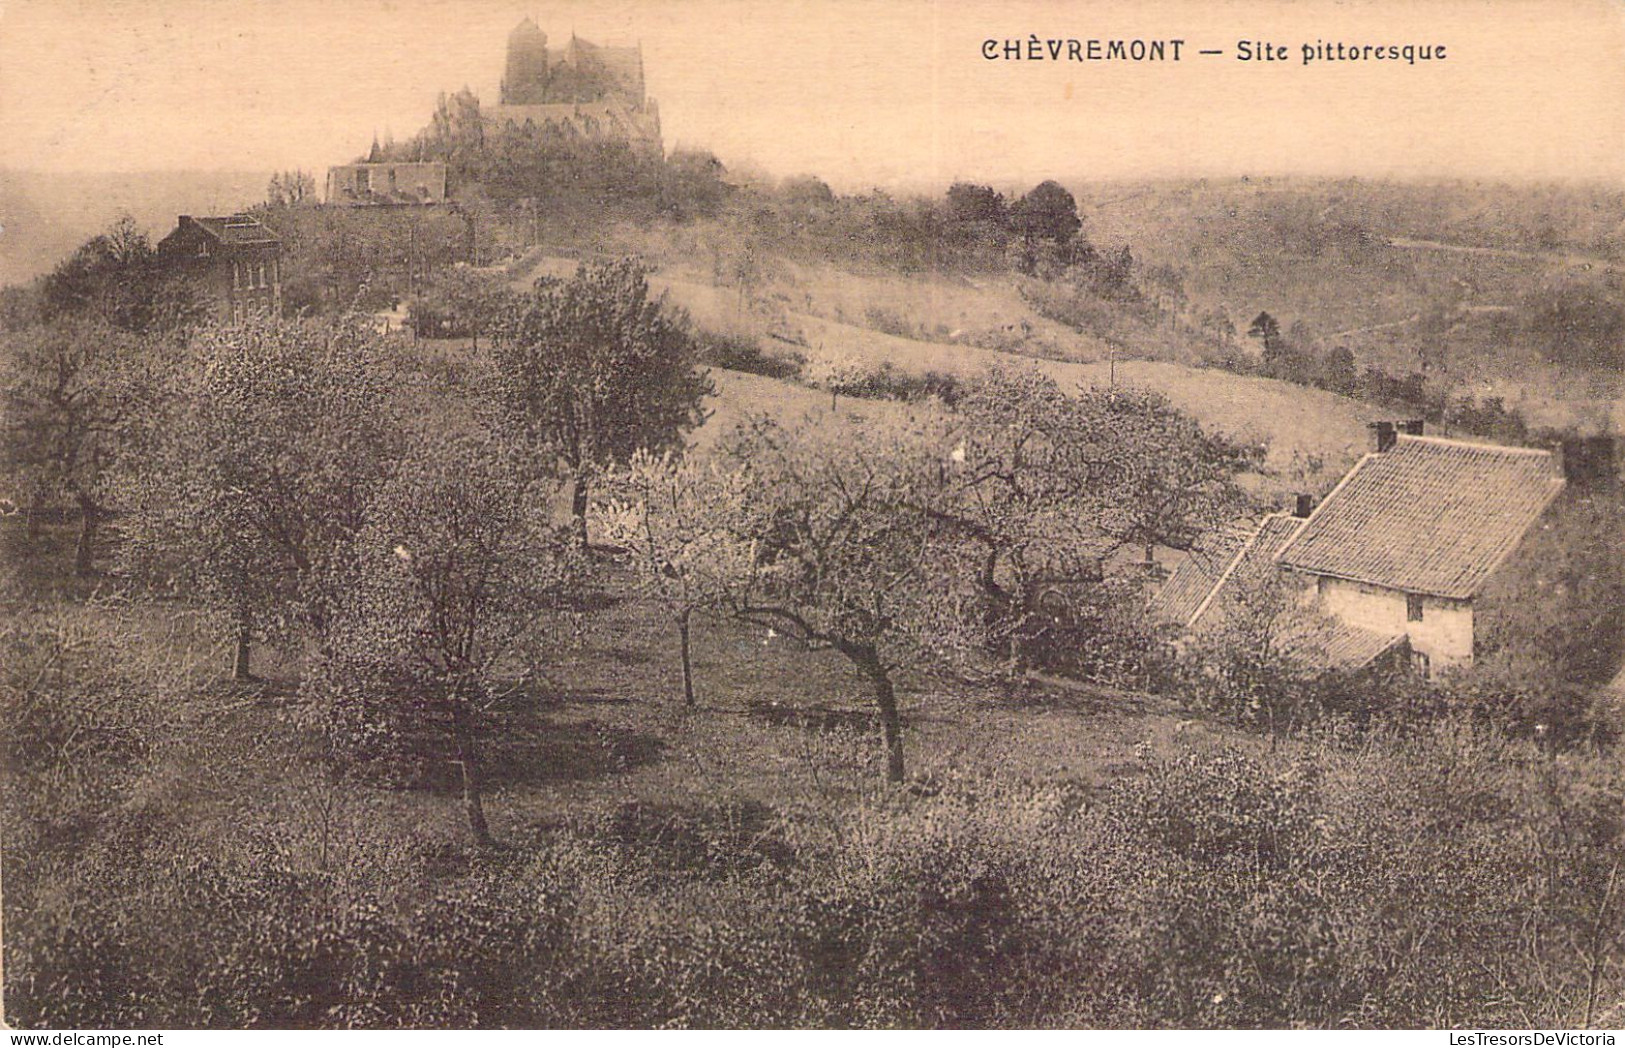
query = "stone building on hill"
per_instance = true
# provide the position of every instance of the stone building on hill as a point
(581, 89)
(386, 183)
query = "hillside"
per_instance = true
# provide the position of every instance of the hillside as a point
(1490, 290)
(1312, 436)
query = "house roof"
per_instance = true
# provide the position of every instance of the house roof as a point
(1427, 516)
(230, 230)
(1195, 576)
(237, 229)
(1208, 586)
(1327, 643)
(1252, 565)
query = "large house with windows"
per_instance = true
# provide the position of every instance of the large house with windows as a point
(1392, 563)
(234, 262)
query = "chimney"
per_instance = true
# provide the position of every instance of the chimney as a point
(1588, 461)
(1385, 435)
(1413, 427)
(1305, 505)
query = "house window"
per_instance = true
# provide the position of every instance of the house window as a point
(363, 182)
(1420, 662)
(264, 284)
(1413, 607)
(236, 274)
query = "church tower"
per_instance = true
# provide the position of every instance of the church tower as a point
(524, 81)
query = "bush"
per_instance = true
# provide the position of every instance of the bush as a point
(268, 945)
(741, 353)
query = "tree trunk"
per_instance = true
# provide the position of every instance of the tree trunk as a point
(688, 666)
(468, 756)
(890, 726)
(84, 555)
(239, 660)
(578, 509)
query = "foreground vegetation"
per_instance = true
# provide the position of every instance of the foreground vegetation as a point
(740, 852)
(1057, 859)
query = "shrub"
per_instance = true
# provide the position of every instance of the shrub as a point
(741, 353)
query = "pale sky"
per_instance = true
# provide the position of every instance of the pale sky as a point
(861, 92)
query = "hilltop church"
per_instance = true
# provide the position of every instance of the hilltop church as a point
(581, 89)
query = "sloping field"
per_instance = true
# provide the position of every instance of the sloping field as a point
(1312, 436)
(1291, 419)
(740, 395)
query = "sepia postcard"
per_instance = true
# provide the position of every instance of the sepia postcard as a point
(669, 514)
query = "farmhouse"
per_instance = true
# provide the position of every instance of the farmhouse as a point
(1407, 540)
(1393, 560)
(1236, 582)
(235, 263)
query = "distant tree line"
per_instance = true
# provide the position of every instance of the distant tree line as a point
(1295, 359)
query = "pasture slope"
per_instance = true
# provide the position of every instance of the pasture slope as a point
(1312, 436)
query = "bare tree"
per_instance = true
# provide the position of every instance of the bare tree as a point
(595, 368)
(256, 481)
(846, 558)
(1045, 486)
(291, 189)
(75, 394)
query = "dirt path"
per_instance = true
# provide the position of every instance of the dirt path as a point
(1568, 259)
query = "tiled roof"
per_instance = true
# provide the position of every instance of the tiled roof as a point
(1427, 516)
(1195, 576)
(237, 229)
(1249, 568)
(1332, 644)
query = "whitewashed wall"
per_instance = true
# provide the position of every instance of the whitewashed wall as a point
(1445, 634)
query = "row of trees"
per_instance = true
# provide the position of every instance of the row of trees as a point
(271, 470)
(973, 228)
(1293, 357)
